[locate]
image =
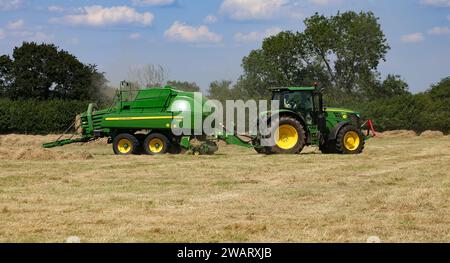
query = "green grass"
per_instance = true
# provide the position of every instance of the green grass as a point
(397, 190)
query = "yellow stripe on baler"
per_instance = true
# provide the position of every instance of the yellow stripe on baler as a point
(143, 118)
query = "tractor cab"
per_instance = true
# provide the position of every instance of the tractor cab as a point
(305, 101)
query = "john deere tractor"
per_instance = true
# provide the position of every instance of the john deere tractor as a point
(302, 120)
(142, 121)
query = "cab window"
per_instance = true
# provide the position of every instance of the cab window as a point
(297, 101)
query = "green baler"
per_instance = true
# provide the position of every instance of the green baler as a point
(144, 117)
(144, 122)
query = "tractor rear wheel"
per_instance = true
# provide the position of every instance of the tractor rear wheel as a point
(264, 150)
(125, 144)
(261, 149)
(289, 136)
(350, 140)
(156, 144)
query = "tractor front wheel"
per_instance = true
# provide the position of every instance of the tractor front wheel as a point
(350, 140)
(125, 144)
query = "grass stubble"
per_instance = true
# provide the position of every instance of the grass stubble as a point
(398, 190)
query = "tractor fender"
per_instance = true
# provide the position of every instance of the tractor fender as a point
(289, 114)
(293, 115)
(335, 131)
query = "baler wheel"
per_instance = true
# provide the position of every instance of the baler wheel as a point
(125, 144)
(156, 144)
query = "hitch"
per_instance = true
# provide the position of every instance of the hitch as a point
(370, 129)
(61, 142)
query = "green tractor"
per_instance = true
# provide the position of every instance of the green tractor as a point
(302, 120)
(142, 121)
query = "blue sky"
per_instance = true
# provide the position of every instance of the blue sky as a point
(205, 40)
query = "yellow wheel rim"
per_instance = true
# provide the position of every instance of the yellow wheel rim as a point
(125, 146)
(156, 145)
(351, 141)
(286, 137)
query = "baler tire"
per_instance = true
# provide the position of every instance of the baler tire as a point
(341, 144)
(301, 136)
(159, 149)
(123, 141)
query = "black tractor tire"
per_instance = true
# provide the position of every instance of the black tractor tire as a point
(125, 144)
(263, 150)
(328, 147)
(355, 142)
(297, 127)
(156, 144)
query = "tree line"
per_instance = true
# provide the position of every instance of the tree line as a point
(341, 52)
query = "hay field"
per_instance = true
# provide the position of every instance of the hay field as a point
(398, 190)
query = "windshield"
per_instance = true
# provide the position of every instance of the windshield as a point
(296, 101)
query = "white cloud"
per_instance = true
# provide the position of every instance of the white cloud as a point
(37, 36)
(6, 5)
(134, 36)
(256, 36)
(323, 2)
(413, 38)
(185, 33)
(439, 31)
(436, 2)
(56, 9)
(16, 29)
(16, 25)
(251, 9)
(152, 2)
(102, 16)
(41, 37)
(210, 19)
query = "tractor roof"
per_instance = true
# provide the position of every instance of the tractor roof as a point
(293, 88)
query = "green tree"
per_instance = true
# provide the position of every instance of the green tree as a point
(43, 72)
(350, 45)
(392, 85)
(439, 105)
(5, 74)
(341, 52)
(283, 60)
(440, 90)
(184, 85)
(221, 91)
